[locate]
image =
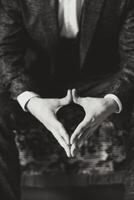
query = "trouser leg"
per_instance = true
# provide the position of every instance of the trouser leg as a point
(9, 159)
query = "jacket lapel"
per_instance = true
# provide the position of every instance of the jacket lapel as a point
(90, 16)
(50, 22)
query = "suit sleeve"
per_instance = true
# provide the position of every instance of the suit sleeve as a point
(123, 87)
(13, 41)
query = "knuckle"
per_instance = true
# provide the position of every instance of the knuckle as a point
(54, 132)
(61, 143)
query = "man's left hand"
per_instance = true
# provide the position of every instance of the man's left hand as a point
(96, 111)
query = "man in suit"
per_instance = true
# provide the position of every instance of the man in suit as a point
(84, 48)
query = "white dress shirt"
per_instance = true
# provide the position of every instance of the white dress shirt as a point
(69, 16)
(69, 13)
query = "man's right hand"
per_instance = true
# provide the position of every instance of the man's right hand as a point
(45, 109)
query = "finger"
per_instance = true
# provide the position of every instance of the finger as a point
(63, 133)
(67, 99)
(62, 142)
(73, 150)
(79, 130)
(86, 135)
(60, 128)
(85, 124)
(53, 123)
(80, 142)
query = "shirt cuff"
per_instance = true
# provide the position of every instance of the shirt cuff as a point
(116, 99)
(24, 97)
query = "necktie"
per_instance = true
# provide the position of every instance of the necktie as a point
(69, 15)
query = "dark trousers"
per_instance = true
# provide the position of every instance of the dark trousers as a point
(103, 192)
(9, 159)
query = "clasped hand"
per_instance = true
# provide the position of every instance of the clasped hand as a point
(96, 111)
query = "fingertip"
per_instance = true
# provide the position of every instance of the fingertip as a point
(74, 92)
(73, 89)
(74, 95)
(67, 150)
(68, 96)
(69, 92)
(73, 150)
(68, 153)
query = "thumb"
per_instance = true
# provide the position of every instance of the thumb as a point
(67, 99)
(75, 96)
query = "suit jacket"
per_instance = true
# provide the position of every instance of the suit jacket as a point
(106, 43)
